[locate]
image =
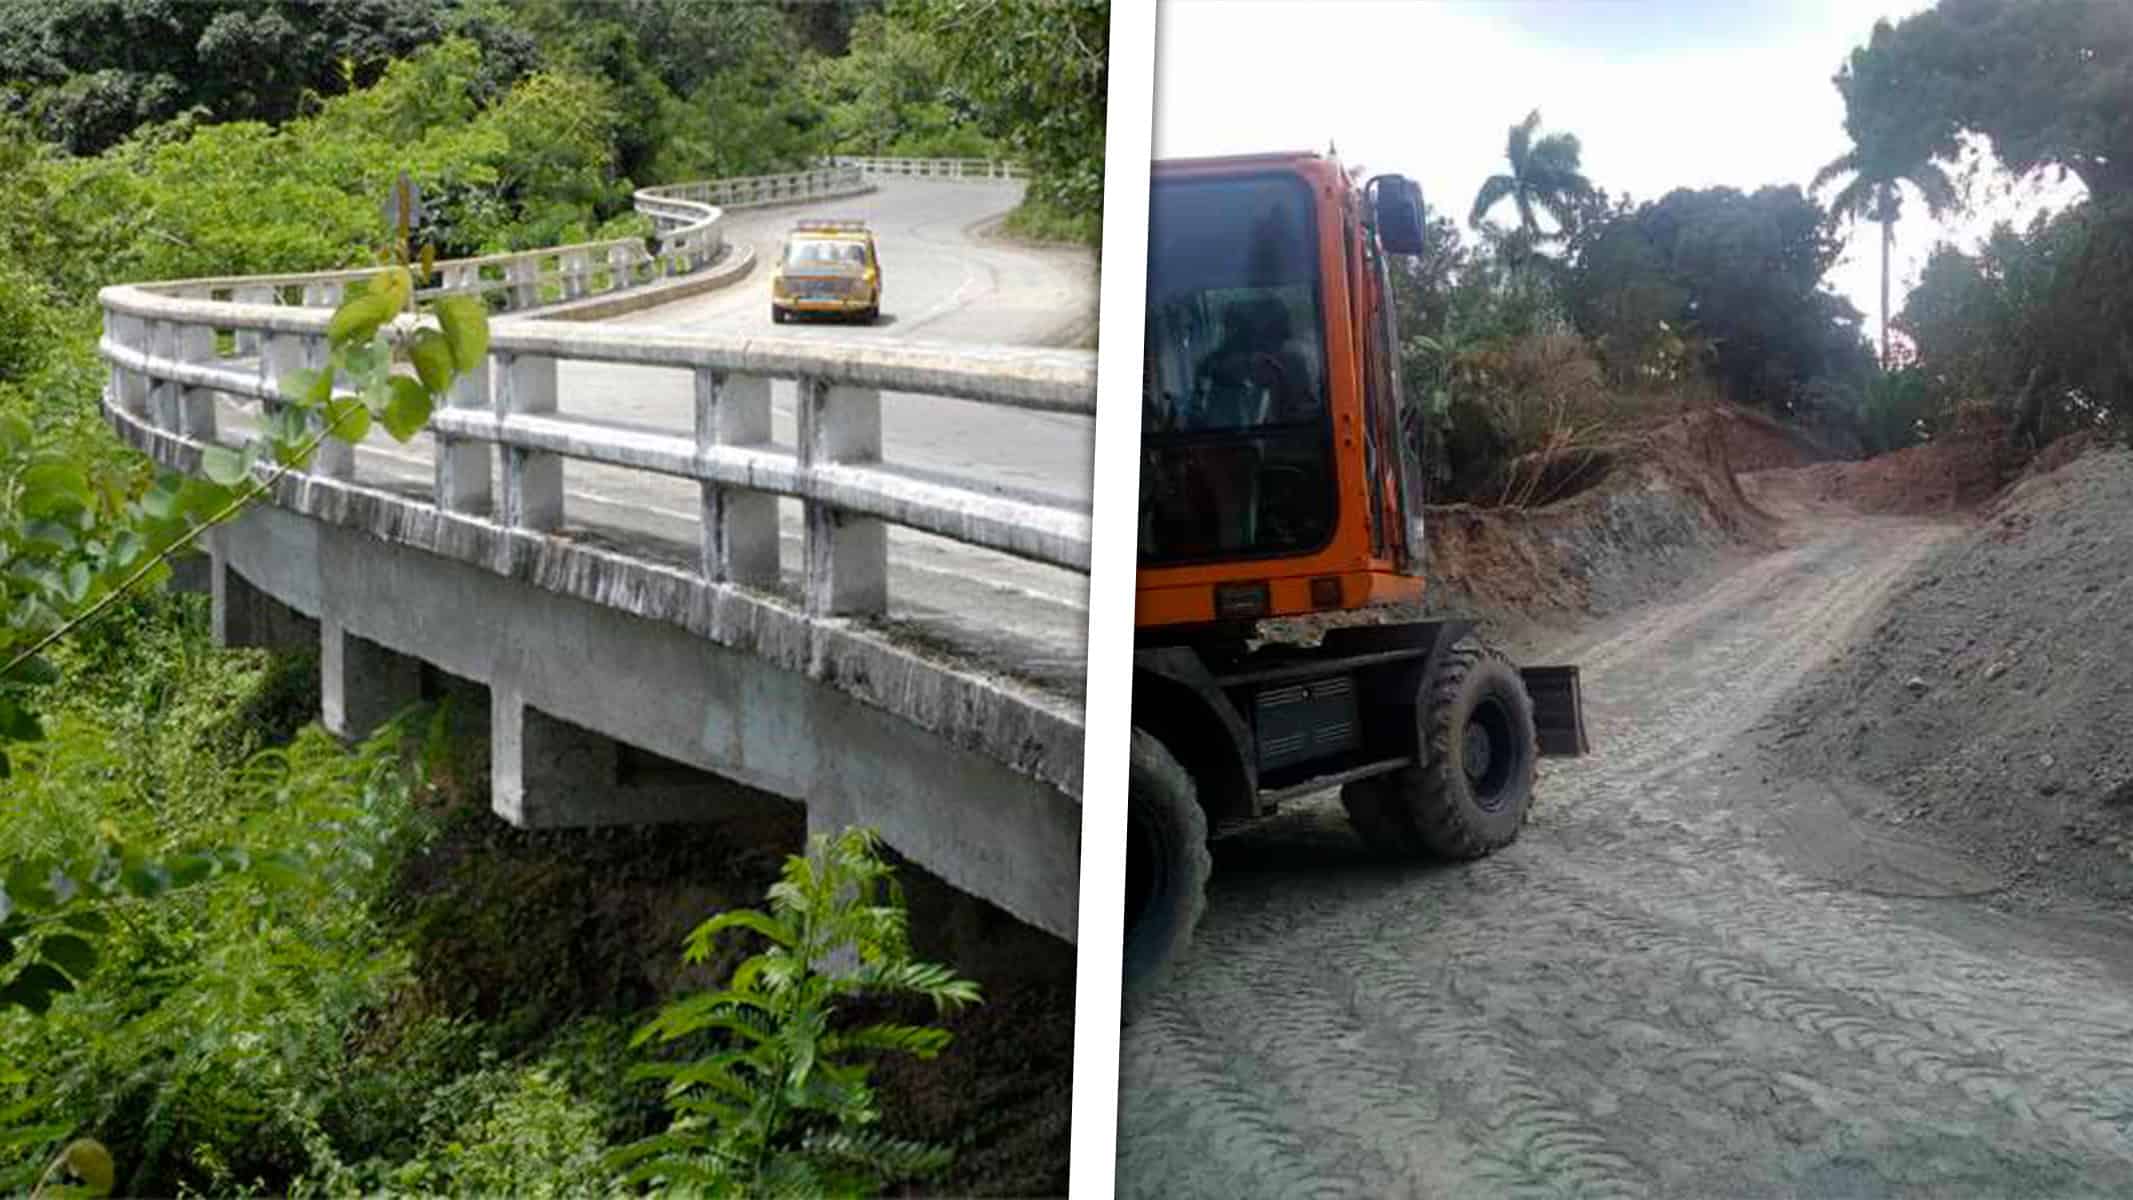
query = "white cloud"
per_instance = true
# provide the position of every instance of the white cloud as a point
(1661, 95)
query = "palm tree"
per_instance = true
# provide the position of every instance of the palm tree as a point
(1875, 193)
(1544, 176)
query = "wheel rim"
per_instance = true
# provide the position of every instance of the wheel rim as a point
(1489, 754)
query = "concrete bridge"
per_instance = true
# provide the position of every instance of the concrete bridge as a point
(846, 566)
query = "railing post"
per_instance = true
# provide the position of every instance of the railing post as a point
(533, 479)
(740, 527)
(162, 346)
(128, 388)
(847, 556)
(335, 458)
(248, 340)
(194, 414)
(463, 463)
(525, 291)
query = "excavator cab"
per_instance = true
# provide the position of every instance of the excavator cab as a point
(1282, 476)
(1276, 475)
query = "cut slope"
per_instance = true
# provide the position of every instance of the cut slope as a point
(1990, 702)
(1665, 510)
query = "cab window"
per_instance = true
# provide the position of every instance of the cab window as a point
(1237, 441)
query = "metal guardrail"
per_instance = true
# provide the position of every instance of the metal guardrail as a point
(974, 169)
(168, 366)
(688, 219)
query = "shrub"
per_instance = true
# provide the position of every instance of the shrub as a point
(779, 1103)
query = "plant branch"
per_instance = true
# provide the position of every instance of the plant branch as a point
(257, 488)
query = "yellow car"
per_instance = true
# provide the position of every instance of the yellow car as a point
(827, 267)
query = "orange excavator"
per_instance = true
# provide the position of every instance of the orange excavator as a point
(1282, 477)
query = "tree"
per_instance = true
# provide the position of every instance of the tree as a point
(1887, 153)
(2050, 82)
(94, 70)
(1544, 176)
(1747, 270)
(2038, 322)
(1037, 70)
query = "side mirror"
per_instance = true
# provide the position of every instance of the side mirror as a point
(1399, 213)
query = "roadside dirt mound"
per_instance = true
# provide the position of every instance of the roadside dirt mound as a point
(2048, 460)
(1990, 705)
(1757, 442)
(1663, 512)
(1950, 475)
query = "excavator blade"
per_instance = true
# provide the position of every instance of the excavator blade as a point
(1558, 710)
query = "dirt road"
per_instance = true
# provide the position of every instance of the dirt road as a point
(1698, 974)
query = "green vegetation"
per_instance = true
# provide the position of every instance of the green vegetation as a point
(237, 956)
(1548, 341)
(782, 1106)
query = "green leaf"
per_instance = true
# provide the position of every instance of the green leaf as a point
(71, 954)
(306, 386)
(16, 435)
(88, 920)
(190, 870)
(18, 724)
(466, 328)
(358, 319)
(161, 501)
(47, 534)
(146, 880)
(126, 549)
(34, 671)
(223, 465)
(408, 410)
(76, 581)
(91, 1163)
(367, 359)
(34, 988)
(349, 420)
(53, 487)
(432, 356)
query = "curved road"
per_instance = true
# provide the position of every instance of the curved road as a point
(945, 282)
(1695, 975)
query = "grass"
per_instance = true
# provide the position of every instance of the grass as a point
(1034, 221)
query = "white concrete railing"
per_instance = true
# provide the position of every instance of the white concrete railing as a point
(975, 169)
(687, 217)
(168, 367)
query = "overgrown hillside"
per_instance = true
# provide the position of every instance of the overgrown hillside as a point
(269, 962)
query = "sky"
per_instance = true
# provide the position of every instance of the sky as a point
(1661, 94)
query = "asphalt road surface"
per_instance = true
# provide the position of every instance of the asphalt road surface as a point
(1692, 977)
(945, 281)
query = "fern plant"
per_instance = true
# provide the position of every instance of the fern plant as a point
(780, 1104)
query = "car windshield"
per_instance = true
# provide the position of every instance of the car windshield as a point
(822, 252)
(1237, 452)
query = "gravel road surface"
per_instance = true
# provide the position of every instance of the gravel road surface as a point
(1696, 975)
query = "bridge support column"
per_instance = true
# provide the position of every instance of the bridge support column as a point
(546, 773)
(362, 685)
(246, 616)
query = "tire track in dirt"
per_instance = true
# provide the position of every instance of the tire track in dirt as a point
(1640, 997)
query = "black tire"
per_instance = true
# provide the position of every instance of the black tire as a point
(1469, 797)
(873, 313)
(777, 315)
(1166, 870)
